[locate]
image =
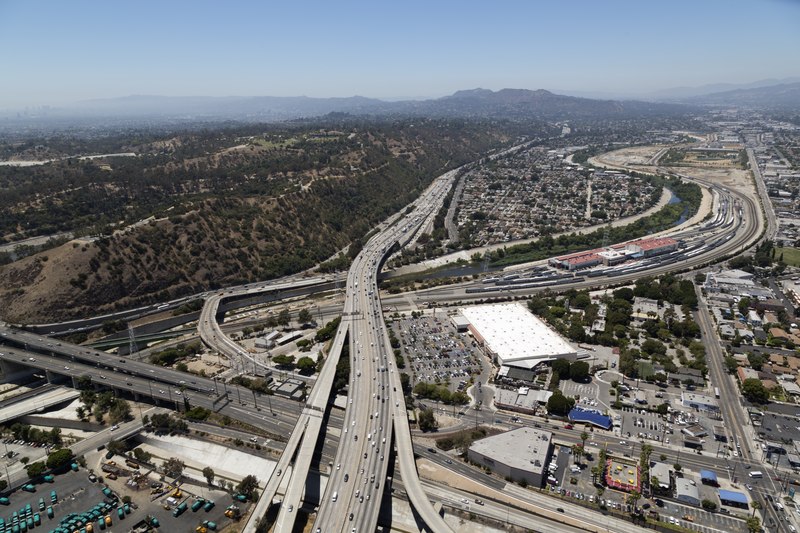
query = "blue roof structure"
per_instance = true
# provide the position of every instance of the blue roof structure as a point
(709, 475)
(731, 496)
(590, 416)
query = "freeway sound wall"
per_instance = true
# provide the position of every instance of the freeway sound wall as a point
(44, 421)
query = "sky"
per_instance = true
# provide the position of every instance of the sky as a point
(56, 52)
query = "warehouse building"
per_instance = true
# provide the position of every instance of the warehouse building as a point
(577, 260)
(511, 335)
(521, 454)
(652, 247)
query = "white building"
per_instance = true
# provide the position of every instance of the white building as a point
(519, 454)
(701, 402)
(514, 336)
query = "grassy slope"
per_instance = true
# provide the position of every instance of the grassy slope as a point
(237, 237)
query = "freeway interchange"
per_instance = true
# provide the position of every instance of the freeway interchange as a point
(374, 424)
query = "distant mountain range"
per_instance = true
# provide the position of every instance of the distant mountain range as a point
(512, 104)
(505, 103)
(686, 93)
(776, 97)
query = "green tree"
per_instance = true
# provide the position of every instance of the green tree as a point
(633, 499)
(709, 505)
(561, 367)
(209, 474)
(584, 437)
(753, 389)
(173, 467)
(576, 332)
(59, 458)
(36, 469)
(284, 360)
(756, 360)
(284, 317)
(304, 316)
(306, 365)
(248, 485)
(579, 371)
(120, 412)
(142, 455)
(577, 453)
(117, 446)
(427, 421)
(753, 524)
(756, 505)
(559, 405)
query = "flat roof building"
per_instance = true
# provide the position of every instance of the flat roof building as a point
(661, 472)
(520, 454)
(523, 399)
(578, 260)
(700, 402)
(460, 323)
(291, 388)
(651, 247)
(686, 492)
(514, 336)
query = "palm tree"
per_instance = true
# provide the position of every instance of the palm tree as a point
(595, 472)
(654, 486)
(633, 499)
(577, 452)
(756, 506)
(584, 437)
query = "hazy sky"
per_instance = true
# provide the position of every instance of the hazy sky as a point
(60, 51)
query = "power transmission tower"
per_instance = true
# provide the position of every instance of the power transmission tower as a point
(606, 235)
(131, 341)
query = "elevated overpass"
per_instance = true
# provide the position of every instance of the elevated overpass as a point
(375, 417)
(34, 403)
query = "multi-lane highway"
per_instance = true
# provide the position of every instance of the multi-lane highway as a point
(375, 420)
(376, 405)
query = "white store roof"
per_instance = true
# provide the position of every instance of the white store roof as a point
(524, 448)
(517, 335)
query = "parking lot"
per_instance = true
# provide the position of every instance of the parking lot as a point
(592, 394)
(15, 449)
(700, 520)
(435, 353)
(644, 425)
(156, 497)
(74, 493)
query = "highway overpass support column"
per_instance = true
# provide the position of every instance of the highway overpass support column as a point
(12, 371)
